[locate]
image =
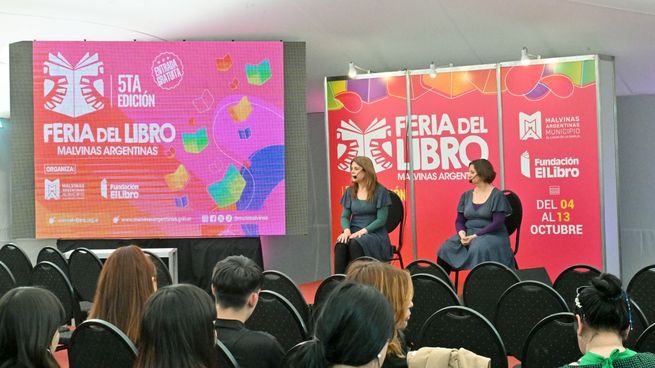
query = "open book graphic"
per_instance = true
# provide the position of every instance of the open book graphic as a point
(369, 142)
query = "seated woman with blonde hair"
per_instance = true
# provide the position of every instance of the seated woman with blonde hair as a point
(396, 285)
(127, 280)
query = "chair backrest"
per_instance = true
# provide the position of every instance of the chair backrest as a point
(282, 284)
(225, 357)
(571, 278)
(646, 342)
(639, 325)
(519, 309)
(552, 342)
(49, 276)
(429, 267)
(485, 284)
(430, 295)
(85, 268)
(396, 218)
(98, 343)
(164, 277)
(513, 221)
(324, 290)
(53, 255)
(458, 326)
(641, 289)
(7, 280)
(276, 315)
(18, 263)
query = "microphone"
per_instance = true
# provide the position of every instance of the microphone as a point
(472, 177)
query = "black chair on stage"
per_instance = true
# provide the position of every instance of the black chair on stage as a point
(17, 262)
(429, 267)
(7, 280)
(163, 275)
(98, 343)
(396, 218)
(639, 325)
(641, 289)
(225, 357)
(519, 309)
(646, 342)
(282, 284)
(458, 326)
(552, 342)
(276, 315)
(324, 290)
(485, 284)
(85, 268)
(430, 295)
(48, 276)
(54, 256)
(569, 280)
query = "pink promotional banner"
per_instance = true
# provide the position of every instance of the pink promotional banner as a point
(159, 139)
(454, 120)
(550, 135)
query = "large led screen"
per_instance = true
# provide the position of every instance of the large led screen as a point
(158, 139)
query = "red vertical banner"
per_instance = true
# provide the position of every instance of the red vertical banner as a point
(454, 121)
(550, 138)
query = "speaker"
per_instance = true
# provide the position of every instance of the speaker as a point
(535, 274)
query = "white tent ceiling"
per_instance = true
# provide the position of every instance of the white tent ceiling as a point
(380, 35)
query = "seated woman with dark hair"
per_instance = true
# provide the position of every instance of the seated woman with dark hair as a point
(177, 330)
(604, 319)
(353, 330)
(127, 280)
(29, 318)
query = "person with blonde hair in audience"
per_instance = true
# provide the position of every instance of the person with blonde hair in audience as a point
(353, 329)
(396, 285)
(177, 330)
(127, 280)
(603, 321)
(29, 319)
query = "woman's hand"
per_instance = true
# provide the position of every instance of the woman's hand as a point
(462, 235)
(467, 239)
(359, 234)
(344, 236)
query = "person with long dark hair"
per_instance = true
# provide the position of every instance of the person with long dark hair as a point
(177, 330)
(353, 330)
(364, 216)
(603, 321)
(29, 319)
(480, 224)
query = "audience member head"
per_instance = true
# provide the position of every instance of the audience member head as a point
(353, 329)
(363, 171)
(484, 170)
(127, 280)
(602, 307)
(177, 330)
(29, 318)
(395, 284)
(236, 281)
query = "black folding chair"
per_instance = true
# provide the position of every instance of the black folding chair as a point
(54, 256)
(514, 220)
(646, 341)
(485, 284)
(568, 281)
(85, 268)
(462, 327)
(7, 280)
(396, 218)
(552, 342)
(323, 292)
(98, 343)
(163, 275)
(225, 357)
(641, 289)
(282, 284)
(519, 309)
(639, 325)
(430, 295)
(17, 262)
(429, 267)
(276, 315)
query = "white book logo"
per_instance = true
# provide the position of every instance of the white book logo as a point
(529, 126)
(525, 164)
(73, 90)
(103, 188)
(365, 143)
(52, 190)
